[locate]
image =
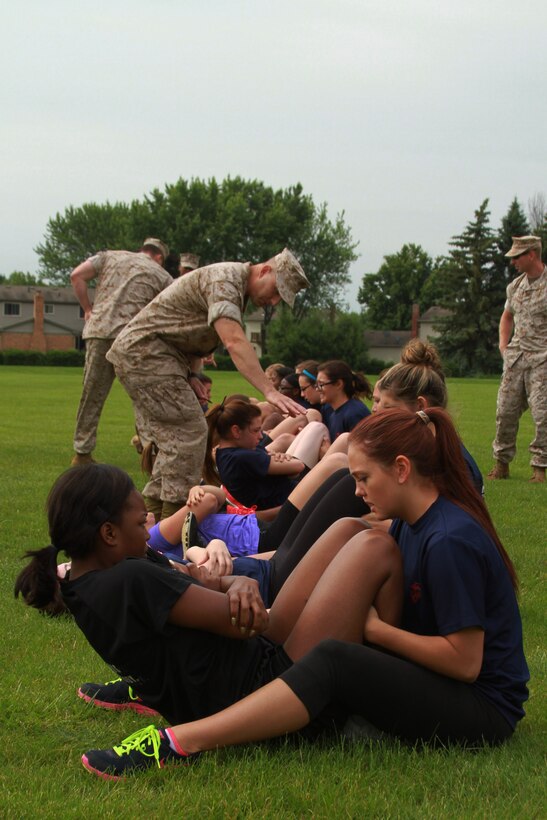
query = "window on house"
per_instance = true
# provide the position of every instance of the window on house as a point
(255, 338)
(12, 309)
(49, 308)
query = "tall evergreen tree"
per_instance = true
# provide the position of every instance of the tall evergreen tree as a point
(473, 291)
(514, 223)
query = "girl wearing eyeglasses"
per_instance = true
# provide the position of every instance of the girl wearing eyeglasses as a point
(340, 387)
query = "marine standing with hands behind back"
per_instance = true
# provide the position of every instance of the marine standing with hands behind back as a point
(524, 379)
(126, 283)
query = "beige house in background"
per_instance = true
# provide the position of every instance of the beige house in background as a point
(38, 317)
(35, 317)
(386, 345)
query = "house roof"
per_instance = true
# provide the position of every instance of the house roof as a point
(387, 338)
(25, 293)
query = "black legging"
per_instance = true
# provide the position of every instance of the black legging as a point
(394, 695)
(334, 499)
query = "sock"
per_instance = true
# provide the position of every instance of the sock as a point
(277, 530)
(173, 743)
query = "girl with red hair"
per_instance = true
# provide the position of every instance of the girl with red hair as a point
(451, 670)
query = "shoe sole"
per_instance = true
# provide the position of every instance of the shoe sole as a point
(140, 708)
(103, 775)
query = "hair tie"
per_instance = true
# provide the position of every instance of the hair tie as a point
(423, 417)
(309, 375)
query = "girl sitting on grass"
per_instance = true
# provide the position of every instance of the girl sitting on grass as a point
(451, 671)
(190, 644)
(251, 475)
(339, 387)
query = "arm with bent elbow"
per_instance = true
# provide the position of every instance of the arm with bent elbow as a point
(458, 655)
(79, 278)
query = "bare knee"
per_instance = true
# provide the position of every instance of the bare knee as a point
(377, 543)
(336, 461)
(346, 528)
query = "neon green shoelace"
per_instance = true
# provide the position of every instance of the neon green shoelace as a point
(129, 688)
(146, 741)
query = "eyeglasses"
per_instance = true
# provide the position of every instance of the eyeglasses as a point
(321, 385)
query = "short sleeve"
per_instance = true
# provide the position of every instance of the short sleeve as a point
(224, 297)
(153, 590)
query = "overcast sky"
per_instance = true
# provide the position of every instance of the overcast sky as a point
(405, 114)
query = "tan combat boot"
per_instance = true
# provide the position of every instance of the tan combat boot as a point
(539, 475)
(500, 470)
(82, 458)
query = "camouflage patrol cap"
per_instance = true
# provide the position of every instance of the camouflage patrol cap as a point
(158, 244)
(523, 244)
(290, 277)
(189, 260)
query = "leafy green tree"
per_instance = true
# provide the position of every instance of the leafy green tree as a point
(321, 335)
(474, 292)
(387, 296)
(234, 219)
(19, 277)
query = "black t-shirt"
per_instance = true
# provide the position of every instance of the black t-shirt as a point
(244, 473)
(183, 673)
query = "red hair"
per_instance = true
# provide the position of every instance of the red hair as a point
(390, 433)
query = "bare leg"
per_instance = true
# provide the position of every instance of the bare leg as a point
(281, 444)
(274, 709)
(340, 445)
(271, 711)
(307, 444)
(313, 480)
(329, 593)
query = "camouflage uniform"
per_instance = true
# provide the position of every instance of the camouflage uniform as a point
(524, 379)
(126, 283)
(153, 358)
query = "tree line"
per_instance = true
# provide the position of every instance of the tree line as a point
(248, 220)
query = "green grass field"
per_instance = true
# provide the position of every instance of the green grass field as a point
(45, 727)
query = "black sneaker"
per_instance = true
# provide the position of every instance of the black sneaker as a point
(115, 694)
(189, 536)
(138, 752)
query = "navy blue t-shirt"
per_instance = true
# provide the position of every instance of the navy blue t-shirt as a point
(244, 473)
(455, 578)
(344, 418)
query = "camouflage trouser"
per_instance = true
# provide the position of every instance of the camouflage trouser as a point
(98, 378)
(167, 412)
(523, 384)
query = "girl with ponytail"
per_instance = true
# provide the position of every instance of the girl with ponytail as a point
(254, 477)
(451, 669)
(339, 387)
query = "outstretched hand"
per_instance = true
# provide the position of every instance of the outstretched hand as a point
(283, 403)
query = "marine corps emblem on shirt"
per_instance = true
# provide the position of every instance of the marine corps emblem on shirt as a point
(415, 592)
